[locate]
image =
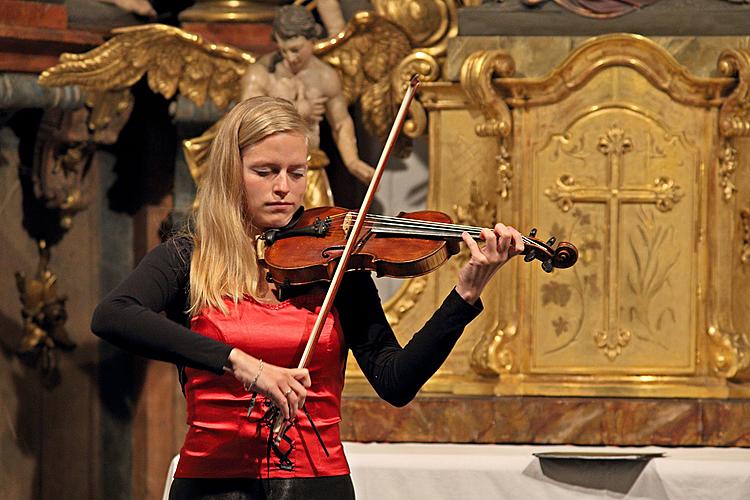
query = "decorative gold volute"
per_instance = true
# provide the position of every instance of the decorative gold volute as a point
(730, 354)
(491, 356)
(404, 300)
(734, 116)
(477, 74)
(428, 69)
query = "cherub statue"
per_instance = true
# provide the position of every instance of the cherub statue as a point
(314, 86)
(322, 79)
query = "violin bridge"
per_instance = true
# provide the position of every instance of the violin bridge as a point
(348, 222)
(260, 247)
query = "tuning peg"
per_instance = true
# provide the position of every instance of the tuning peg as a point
(530, 256)
(551, 241)
(532, 233)
(547, 265)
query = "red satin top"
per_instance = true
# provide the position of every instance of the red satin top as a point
(222, 441)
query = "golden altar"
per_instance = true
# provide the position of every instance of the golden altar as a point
(632, 148)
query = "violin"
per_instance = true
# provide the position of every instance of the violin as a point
(404, 246)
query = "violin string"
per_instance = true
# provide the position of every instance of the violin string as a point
(403, 220)
(422, 228)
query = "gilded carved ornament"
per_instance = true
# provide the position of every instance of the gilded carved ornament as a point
(428, 23)
(745, 229)
(624, 50)
(170, 58)
(729, 354)
(44, 316)
(612, 343)
(477, 74)
(491, 356)
(478, 212)
(734, 115)
(404, 300)
(727, 168)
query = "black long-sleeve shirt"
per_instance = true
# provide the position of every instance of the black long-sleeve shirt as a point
(130, 318)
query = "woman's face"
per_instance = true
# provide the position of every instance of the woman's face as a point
(273, 172)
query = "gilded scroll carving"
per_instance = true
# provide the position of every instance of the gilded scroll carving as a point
(734, 115)
(477, 74)
(404, 300)
(729, 354)
(491, 356)
(428, 69)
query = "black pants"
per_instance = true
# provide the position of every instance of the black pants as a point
(302, 488)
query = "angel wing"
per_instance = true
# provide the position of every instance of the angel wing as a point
(171, 58)
(366, 55)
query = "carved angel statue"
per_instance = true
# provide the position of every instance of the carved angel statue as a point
(365, 62)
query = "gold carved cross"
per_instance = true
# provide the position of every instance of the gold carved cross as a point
(663, 193)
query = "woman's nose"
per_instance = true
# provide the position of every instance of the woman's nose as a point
(281, 185)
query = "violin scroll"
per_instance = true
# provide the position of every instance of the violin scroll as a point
(561, 257)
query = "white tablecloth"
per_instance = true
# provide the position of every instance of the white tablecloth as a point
(456, 471)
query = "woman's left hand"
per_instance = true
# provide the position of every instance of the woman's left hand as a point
(501, 243)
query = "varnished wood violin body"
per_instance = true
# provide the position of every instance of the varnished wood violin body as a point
(405, 246)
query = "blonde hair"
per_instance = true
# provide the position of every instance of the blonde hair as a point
(224, 262)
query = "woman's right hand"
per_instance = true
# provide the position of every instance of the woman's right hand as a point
(285, 386)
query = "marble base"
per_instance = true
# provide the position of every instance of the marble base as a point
(546, 420)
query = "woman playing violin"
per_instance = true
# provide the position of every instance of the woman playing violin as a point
(234, 338)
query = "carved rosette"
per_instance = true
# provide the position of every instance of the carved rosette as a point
(491, 356)
(666, 193)
(729, 354)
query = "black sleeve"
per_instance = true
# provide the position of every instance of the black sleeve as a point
(129, 315)
(397, 373)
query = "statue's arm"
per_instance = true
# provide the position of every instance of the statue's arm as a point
(331, 15)
(255, 81)
(342, 128)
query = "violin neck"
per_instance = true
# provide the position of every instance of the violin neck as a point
(413, 228)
